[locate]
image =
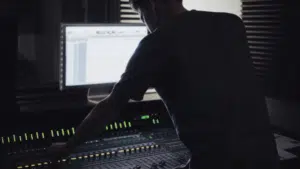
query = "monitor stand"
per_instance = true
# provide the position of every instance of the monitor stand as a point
(96, 94)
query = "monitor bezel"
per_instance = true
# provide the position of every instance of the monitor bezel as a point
(62, 55)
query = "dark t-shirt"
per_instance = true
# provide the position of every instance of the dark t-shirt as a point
(199, 63)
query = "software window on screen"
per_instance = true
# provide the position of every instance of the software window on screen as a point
(99, 54)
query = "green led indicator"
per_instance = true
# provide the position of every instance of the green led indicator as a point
(63, 132)
(73, 130)
(129, 124)
(20, 138)
(2, 140)
(153, 121)
(37, 135)
(43, 135)
(157, 121)
(68, 132)
(31, 136)
(125, 125)
(57, 133)
(14, 138)
(106, 127)
(52, 133)
(8, 139)
(26, 138)
(145, 117)
(111, 127)
(120, 124)
(116, 125)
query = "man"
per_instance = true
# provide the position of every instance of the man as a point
(199, 63)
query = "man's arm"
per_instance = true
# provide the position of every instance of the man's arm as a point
(103, 113)
(144, 69)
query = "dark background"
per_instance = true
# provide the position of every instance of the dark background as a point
(34, 28)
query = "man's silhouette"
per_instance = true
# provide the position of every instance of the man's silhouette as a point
(200, 65)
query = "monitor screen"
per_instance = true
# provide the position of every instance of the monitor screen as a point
(98, 54)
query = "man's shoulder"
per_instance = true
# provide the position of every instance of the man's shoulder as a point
(158, 37)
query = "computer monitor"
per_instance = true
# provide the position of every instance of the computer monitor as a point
(96, 54)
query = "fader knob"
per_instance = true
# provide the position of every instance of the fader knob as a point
(102, 155)
(147, 147)
(108, 155)
(121, 152)
(97, 156)
(127, 151)
(85, 156)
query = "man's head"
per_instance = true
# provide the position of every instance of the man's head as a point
(155, 12)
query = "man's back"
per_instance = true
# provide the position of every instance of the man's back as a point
(212, 94)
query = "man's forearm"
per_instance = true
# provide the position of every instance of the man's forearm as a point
(94, 123)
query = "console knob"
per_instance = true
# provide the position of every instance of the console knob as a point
(85, 156)
(97, 156)
(91, 156)
(108, 154)
(147, 147)
(127, 151)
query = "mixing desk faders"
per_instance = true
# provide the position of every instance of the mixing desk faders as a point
(145, 139)
(158, 149)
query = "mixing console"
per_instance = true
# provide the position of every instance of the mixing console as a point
(144, 141)
(137, 150)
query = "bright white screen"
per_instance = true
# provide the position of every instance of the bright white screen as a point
(229, 6)
(99, 54)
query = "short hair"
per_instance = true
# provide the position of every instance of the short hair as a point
(135, 4)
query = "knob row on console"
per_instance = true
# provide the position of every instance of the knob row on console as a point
(40, 164)
(33, 165)
(110, 154)
(97, 155)
(139, 148)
